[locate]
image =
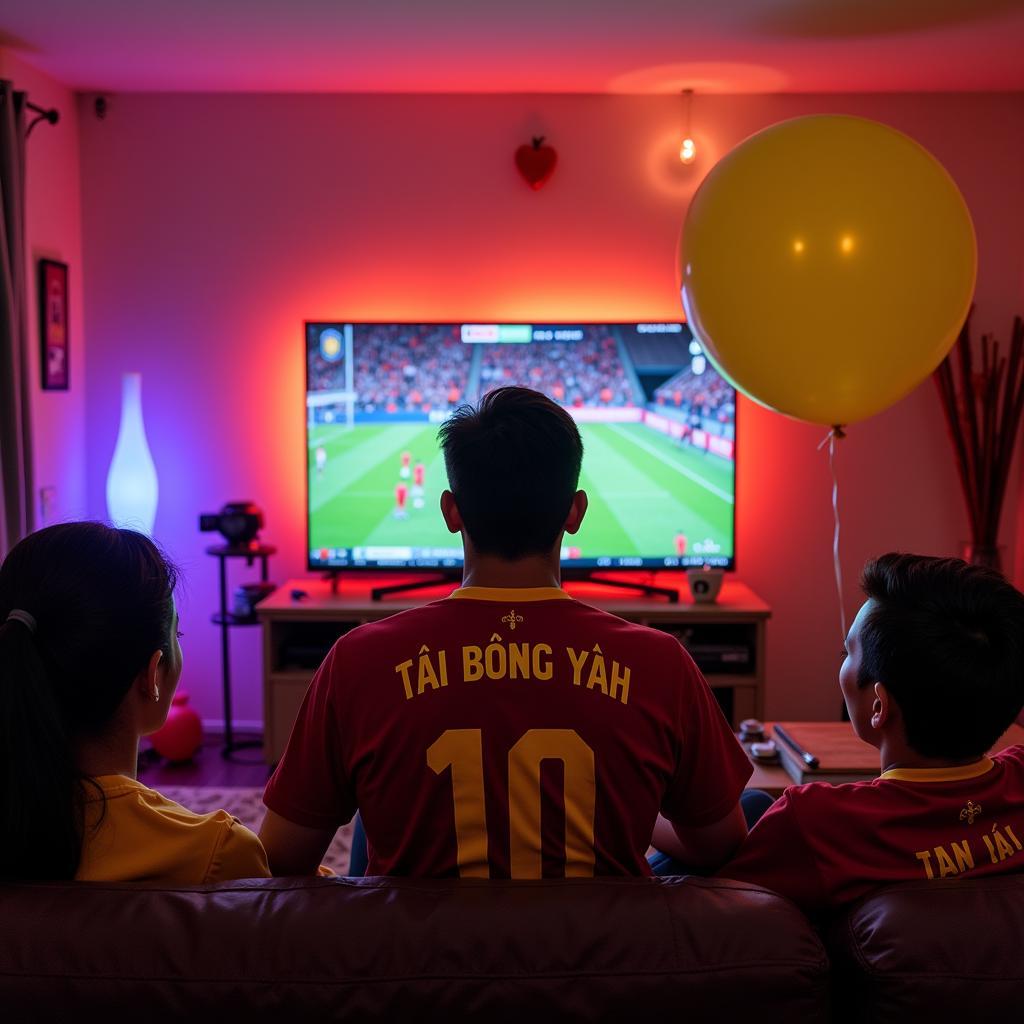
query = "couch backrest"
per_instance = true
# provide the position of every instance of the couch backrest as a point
(932, 951)
(401, 949)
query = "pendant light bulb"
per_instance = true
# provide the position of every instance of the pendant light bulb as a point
(688, 149)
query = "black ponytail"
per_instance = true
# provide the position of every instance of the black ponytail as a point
(99, 603)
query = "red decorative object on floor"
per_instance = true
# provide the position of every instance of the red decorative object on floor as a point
(536, 162)
(182, 734)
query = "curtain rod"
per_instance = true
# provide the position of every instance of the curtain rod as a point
(52, 115)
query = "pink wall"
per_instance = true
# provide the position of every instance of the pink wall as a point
(214, 224)
(53, 216)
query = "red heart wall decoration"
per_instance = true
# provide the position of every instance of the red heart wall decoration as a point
(536, 162)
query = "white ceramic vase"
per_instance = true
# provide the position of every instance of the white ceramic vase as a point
(132, 488)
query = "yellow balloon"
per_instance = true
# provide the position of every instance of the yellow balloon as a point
(828, 263)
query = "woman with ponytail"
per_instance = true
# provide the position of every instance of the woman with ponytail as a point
(89, 660)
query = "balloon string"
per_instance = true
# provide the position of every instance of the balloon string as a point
(836, 434)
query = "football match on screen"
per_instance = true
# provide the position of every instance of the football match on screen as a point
(658, 425)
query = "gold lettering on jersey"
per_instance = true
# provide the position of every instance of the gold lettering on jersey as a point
(990, 846)
(925, 857)
(578, 661)
(519, 661)
(511, 661)
(950, 861)
(404, 670)
(514, 660)
(963, 855)
(496, 659)
(598, 676)
(431, 672)
(620, 682)
(472, 664)
(958, 856)
(540, 662)
(429, 675)
(998, 846)
(945, 862)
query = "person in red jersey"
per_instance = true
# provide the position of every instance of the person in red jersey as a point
(933, 676)
(509, 730)
(419, 472)
(403, 471)
(401, 493)
(680, 542)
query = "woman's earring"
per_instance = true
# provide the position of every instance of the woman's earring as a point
(156, 695)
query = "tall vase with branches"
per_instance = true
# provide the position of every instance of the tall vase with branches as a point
(983, 399)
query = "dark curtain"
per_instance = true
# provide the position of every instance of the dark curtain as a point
(16, 508)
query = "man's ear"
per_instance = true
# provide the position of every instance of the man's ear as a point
(450, 512)
(881, 707)
(148, 680)
(577, 510)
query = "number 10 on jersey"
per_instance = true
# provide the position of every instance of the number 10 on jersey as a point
(461, 750)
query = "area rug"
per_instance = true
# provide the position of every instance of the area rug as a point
(246, 804)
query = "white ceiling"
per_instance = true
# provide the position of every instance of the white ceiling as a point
(483, 46)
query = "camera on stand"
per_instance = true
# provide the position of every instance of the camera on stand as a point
(238, 522)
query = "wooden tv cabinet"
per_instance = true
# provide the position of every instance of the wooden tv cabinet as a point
(727, 638)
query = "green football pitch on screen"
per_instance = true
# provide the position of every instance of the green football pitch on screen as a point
(644, 490)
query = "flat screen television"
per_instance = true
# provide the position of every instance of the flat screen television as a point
(658, 426)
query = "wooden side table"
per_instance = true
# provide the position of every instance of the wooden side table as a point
(772, 778)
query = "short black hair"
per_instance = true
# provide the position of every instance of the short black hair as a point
(947, 640)
(513, 466)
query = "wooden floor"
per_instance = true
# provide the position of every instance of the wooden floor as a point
(245, 768)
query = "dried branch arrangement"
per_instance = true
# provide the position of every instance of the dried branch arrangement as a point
(983, 412)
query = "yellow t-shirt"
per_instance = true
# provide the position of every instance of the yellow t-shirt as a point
(144, 837)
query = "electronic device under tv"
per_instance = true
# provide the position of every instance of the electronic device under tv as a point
(658, 426)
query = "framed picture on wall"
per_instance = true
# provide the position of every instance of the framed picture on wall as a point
(53, 325)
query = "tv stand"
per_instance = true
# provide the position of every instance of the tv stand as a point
(727, 638)
(648, 589)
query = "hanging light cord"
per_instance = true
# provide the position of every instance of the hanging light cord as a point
(834, 435)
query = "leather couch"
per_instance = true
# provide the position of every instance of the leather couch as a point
(932, 951)
(379, 949)
(643, 950)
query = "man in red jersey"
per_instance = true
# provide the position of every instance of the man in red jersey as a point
(933, 676)
(508, 730)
